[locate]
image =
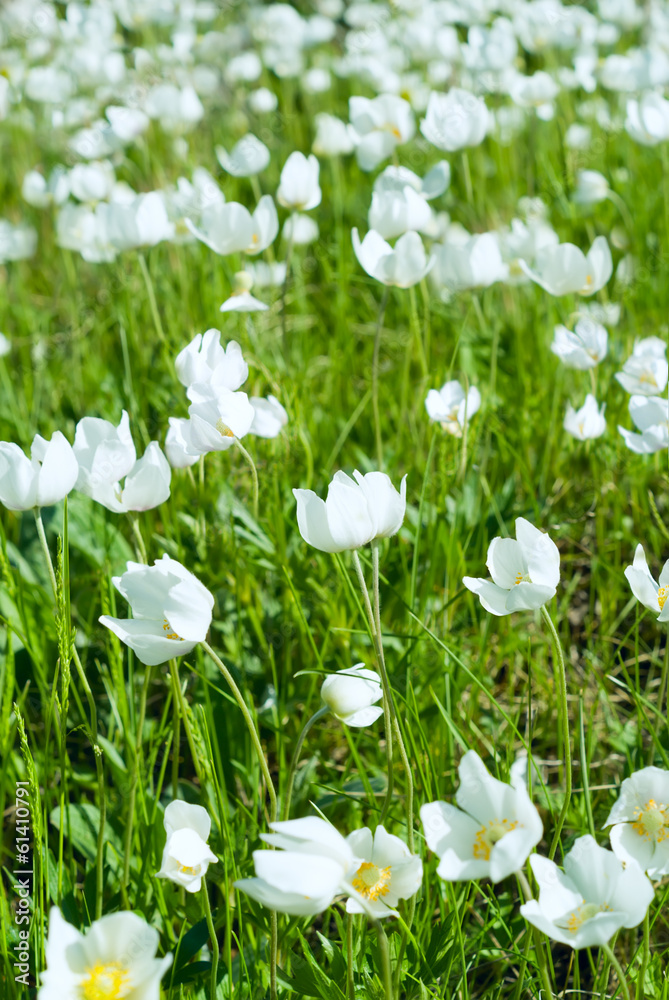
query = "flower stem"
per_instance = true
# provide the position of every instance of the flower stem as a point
(375, 377)
(387, 716)
(285, 811)
(385, 960)
(608, 950)
(350, 981)
(538, 940)
(561, 679)
(254, 476)
(127, 846)
(141, 548)
(212, 935)
(253, 732)
(645, 955)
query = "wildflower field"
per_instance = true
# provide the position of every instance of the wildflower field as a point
(334, 545)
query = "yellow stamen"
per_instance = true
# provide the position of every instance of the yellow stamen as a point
(652, 821)
(170, 634)
(648, 378)
(188, 870)
(105, 982)
(371, 881)
(489, 835)
(579, 916)
(222, 428)
(662, 594)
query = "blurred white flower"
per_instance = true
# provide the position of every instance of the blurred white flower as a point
(586, 422)
(452, 407)
(206, 360)
(381, 124)
(41, 480)
(298, 188)
(229, 227)
(247, 158)
(269, 417)
(333, 136)
(591, 187)
(582, 349)
(455, 120)
(564, 269)
(648, 119)
(186, 855)
(650, 415)
(404, 265)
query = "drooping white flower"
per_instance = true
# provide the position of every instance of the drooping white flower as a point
(651, 594)
(525, 571)
(309, 871)
(171, 610)
(564, 269)
(583, 348)
(356, 511)
(206, 360)
(351, 695)
(640, 819)
(594, 898)
(455, 120)
(381, 124)
(270, 417)
(179, 448)
(240, 299)
(650, 415)
(41, 480)
(300, 229)
(116, 957)
(247, 158)
(404, 265)
(384, 872)
(452, 407)
(588, 421)
(186, 855)
(298, 188)
(644, 373)
(591, 187)
(492, 832)
(218, 416)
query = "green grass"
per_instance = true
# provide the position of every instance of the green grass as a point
(86, 342)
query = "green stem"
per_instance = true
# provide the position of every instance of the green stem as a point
(387, 714)
(213, 938)
(608, 950)
(385, 960)
(253, 732)
(538, 940)
(254, 476)
(645, 956)
(127, 844)
(375, 377)
(141, 548)
(561, 679)
(273, 953)
(285, 812)
(152, 297)
(350, 980)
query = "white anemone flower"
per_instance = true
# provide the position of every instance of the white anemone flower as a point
(229, 227)
(404, 265)
(583, 348)
(455, 120)
(305, 876)
(356, 511)
(525, 571)
(381, 124)
(171, 610)
(596, 896)
(644, 374)
(240, 299)
(179, 448)
(650, 415)
(492, 832)
(384, 872)
(247, 158)
(298, 188)
(41, 480)
(640, 821)
(649, 593)
(587, 422)
(351, 695)
(186, 855)
(218, 416)
(591, 187)
(270, 417)
(452, 407)
(648, 119)
(206, 360)
(564, 269)
(115, 958)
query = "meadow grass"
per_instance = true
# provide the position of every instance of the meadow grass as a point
(93, 339)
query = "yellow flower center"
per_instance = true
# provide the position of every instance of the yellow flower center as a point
(188, 870)
(578, 917)
(522, 578)
(169, 633)
(589, 281)
(662, 594)
(489, 835)
(652, 821)
(105, 982)
(648, 378)
(371, 881)
(222, 428)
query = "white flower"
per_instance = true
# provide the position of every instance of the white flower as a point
(381, 124)
(640, 820)
(648, 119)
(171, 610)
(525, 571)
(537, 91)
(404, 265)
(582, 349)
(229, 227)
(396, 179)
(333, 136)
(115, 958)
(300, 229)
(298, 187)
(356, 511)
(41, 480)
(594, 898)
(5, 345)
(269, 418)
(651, 594)
(588, 421)
(17, 242)
(303, 877)
(351, 695)
(179, 448)
(395, 212)
(650, 414)
(591, 187)
(186, 855)
(247, 159)
(452, 407)
(218, 416)
(644, 374)
(384, 872)
(564, 268)
(455, 120)
(206, 360)
(473, 263)
(493, 831)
